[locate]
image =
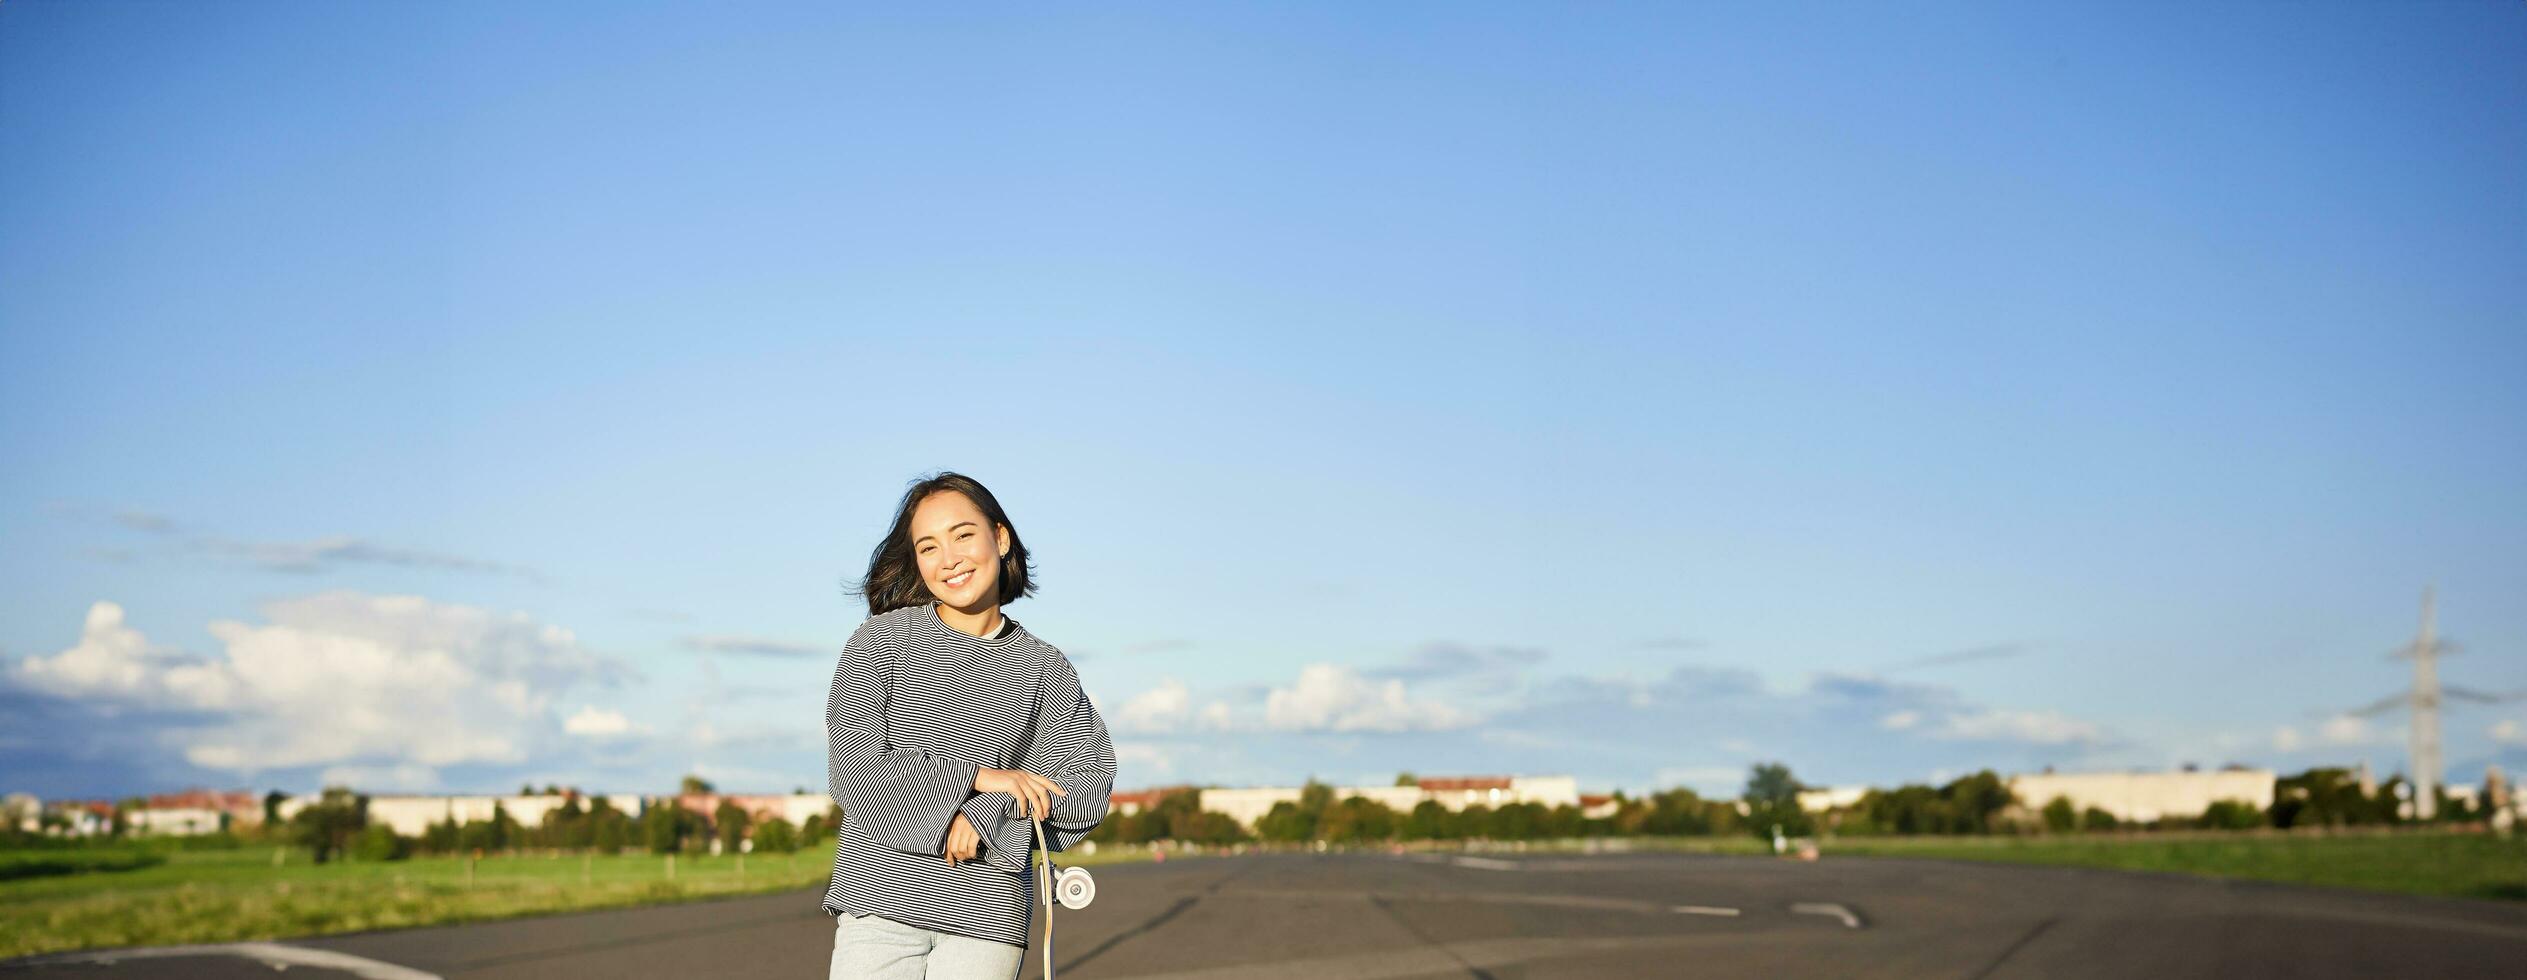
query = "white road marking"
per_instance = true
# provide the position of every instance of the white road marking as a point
(1487, 864)
(1704, 910)
(273, 955)
(1850, 920)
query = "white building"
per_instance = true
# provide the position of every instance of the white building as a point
(792, 807)
(173, 820)
(21, 811)
(1249, 805)
(2146, 796)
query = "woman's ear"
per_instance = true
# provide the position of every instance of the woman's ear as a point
(1004, 539)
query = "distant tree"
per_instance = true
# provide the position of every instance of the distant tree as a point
(505, 832)
(1772, 800)
(441, 837)
(272, 808)
(730, 822)
(1631, 817)
(663, 827)
(1184, 819)
(695, 786)
(1978, 800)
(1314, 797)
(777, 836)
(2060, 817)
(817, 827)
(379, 842)
(1407, 779)
(328, 826)
(608, 828)
(2231, 815)
(1967, 805)
(566, 826)
(1118, 828)
(1675, 812)
(1518, 821)
(1286, 823)
(1560, 822)
(2095, 818)
(1427, 821)
(2456, 810)
(1356, 819)
(2329, 797)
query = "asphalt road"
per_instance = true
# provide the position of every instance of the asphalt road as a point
(1324, 917)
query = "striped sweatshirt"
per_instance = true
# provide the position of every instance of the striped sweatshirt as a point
(917, 708)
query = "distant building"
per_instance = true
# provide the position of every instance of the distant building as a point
(78, 818)
(793, 807)
(21, 812)
(1128, 803)
(195, 811)
(2146, 796)
(1249, 805)
(411, 816)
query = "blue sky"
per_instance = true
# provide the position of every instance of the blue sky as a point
(1628, 394)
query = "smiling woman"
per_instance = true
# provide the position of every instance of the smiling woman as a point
(951, 731)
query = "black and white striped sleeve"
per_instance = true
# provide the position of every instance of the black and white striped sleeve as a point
(1072, 748)
(903, 797)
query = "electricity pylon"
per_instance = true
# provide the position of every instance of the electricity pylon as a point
(2423, 701)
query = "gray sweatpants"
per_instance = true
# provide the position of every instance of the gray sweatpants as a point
(868, 947)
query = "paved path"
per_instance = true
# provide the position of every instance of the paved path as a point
(1639, 915)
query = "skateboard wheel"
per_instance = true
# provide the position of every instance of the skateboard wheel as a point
(1074, 889)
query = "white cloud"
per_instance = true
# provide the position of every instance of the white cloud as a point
(1334, 698)
(2036, 727)
(2346, 730)
(1138, 763)
(2286, 739)
(2508, 732)
(595, 722)
(1901, 720)
(111, 660)
(1215, 717)
(1160, 709)
(338, 679)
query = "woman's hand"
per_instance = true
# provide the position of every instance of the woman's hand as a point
(963, 840)
(1028, 788)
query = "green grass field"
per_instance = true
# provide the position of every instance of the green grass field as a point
(2456, 865)
(233, 895)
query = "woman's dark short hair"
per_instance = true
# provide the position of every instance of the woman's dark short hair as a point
(894, 577)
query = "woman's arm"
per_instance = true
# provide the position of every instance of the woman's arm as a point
(902, 797)
(1072, 748)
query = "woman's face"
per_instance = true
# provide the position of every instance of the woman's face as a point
(958, 551)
